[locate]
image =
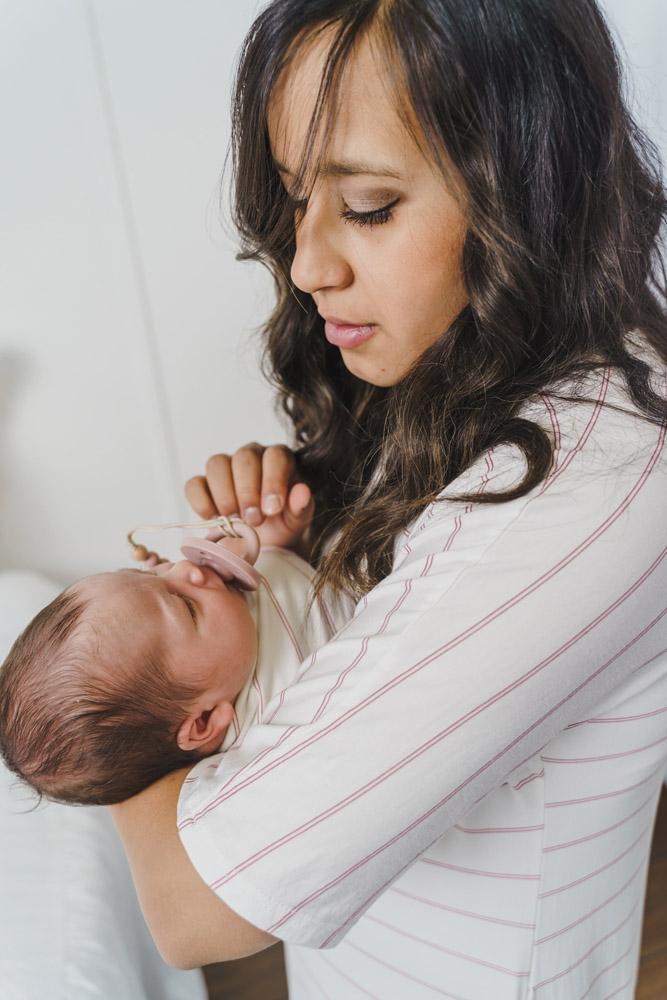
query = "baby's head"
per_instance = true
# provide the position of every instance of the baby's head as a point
(123, 678)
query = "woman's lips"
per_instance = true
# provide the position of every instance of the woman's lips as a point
(346, 335)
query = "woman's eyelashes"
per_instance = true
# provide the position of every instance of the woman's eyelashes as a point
(374, 217)
(378, 216)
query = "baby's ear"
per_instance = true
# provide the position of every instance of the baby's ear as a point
(204, 729)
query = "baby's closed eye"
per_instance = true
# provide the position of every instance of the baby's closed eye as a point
(191, 607)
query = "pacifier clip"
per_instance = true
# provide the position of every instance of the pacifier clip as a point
(230, 548)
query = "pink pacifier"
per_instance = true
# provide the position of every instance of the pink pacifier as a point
(230, 549)
(231, 557)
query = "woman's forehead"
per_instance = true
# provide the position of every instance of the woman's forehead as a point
(366, 125)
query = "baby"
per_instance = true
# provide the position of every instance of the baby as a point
(131, 674)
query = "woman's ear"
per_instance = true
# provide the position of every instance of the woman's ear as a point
(204, 729)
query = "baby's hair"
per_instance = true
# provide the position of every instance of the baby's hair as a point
(78, 728)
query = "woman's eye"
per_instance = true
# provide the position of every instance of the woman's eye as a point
(377, 217)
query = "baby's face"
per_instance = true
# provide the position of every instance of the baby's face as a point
(203, 624)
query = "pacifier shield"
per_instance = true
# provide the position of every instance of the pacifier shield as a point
(226, 564)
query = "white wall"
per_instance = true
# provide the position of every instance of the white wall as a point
(127, 343)
(127, 329)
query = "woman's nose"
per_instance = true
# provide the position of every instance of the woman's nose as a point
(318, 262)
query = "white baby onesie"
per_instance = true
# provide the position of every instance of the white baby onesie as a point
(285, 636)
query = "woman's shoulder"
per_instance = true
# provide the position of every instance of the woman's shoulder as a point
(592, 419)
(602, 445)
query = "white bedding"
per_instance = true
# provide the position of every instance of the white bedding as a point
(70, 924)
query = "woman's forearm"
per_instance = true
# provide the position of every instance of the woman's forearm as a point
(190, 925)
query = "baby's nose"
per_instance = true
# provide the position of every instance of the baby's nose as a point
(186, 569)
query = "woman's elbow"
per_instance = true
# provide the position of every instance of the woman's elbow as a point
(183, 952)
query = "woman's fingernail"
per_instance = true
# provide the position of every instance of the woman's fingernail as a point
(271, 504)
(252, 515)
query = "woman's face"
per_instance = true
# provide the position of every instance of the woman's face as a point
(403, 275)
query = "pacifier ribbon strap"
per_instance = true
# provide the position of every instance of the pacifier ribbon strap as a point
(222, 522)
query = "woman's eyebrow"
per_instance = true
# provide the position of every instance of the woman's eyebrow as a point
(346, 168)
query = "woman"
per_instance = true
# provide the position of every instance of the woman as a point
(456, 798)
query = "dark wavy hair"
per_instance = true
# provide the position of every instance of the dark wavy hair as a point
(522, 108)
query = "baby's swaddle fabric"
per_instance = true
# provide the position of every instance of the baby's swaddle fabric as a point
(285, 634)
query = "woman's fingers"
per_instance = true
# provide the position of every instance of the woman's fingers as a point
(246, 473)
(253, 482)
(213, 493)
(261, 479)
(278, 467)
(260, 484)
(198, 496)
(220, 482)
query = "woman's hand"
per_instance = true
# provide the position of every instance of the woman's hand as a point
(244, 484)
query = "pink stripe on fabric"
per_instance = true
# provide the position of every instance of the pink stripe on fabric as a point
(458, 519)
(296, 565)
(610, 899)
(522, 926)
(364, 646)
(268, 719)
(473, 959)
(529, 778)
(269, 848)
(610, 864)
(424, 816)
(367, 902)
(605, 756)
(255, 760)
(401, 600)
(260, 696)
(631, 718)
(599, 833)
(307, 982)
(605, 795)
(620, 718)
(588, 430)
(402, 972)
(417, 667)
(498, 829)
(484, 873)
(606, 969)
(281, 700)
(348, 979)
(642, 666)
(233, 872)
(313, 659)
(282, 616)
(627, 982)
(565, 972)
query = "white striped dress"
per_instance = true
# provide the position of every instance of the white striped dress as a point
(456, 797)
